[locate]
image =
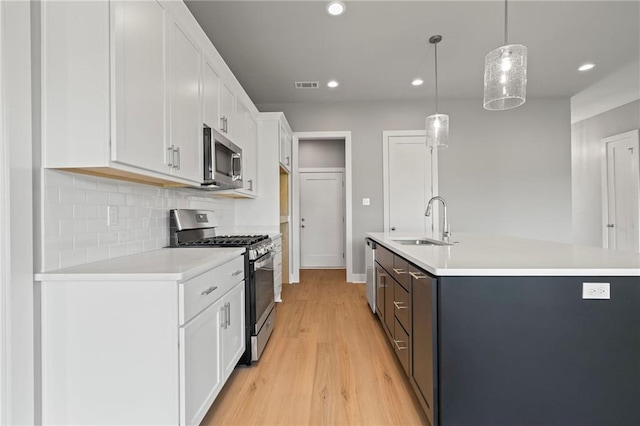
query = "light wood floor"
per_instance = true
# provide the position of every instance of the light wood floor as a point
(328, 362)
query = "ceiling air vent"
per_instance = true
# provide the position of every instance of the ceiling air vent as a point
(307, 85)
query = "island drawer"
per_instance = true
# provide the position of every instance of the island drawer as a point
(385, 258)
(401, 344)
(401, 305)
(201, 291)
(401, 271)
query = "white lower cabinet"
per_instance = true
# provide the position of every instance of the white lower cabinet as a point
(145, 352)
(210, 346)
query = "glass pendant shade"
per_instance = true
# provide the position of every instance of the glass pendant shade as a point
(437, 127)
(505, 77)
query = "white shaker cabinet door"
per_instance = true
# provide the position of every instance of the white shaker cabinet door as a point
(200, 356)
(185, 111)
(227, 111)
(140, 90)
(211, 91)
(233, 333)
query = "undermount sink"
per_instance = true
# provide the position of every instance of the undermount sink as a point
(421, 242)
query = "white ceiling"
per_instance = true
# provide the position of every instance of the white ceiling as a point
(378, 47)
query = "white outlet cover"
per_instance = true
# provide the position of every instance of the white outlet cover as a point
(366, 202)
(113, 216)
(600, 291)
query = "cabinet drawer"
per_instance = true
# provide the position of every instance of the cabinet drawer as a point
(401, 345)
(402, 306)
(400, 271)
(385, 258)
(201, 291)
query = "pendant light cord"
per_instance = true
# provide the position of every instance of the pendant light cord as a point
(506, 22)
(436, 62)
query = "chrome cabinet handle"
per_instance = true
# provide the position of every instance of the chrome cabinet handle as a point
(228, 309)
(238, 272)
(399, 271)
(223, 324)
(400, 348)
(398, 305)
(287, 162)
(178, 152)
(250, 184)
(418, 277)
(208, 291)
(170, 161)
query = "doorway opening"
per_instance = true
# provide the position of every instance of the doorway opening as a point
(321, 202)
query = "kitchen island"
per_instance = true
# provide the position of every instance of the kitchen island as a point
(506, 331)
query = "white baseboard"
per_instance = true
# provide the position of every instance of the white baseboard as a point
(357, 278)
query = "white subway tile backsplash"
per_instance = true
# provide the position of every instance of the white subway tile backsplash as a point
(81, 241)
(97, 198)
(85, 182)
(72, 258)
(75, 218)
(117, 199)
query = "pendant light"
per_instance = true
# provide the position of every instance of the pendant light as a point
(505, 74)
(437, 125)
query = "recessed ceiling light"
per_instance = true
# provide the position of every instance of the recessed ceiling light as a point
(417, 82)
(336, 8)
(332, 84)
(586, 67)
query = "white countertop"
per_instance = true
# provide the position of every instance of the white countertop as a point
(482, 255)
(167, 264)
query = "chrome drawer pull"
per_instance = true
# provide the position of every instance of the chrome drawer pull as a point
(236, 273)
(418, 277)
(400, 348)
(397, 305)
(399, 271)
(209, 290)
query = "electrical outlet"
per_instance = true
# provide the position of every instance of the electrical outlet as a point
(596, 291)
(366, 202)
(113, 216)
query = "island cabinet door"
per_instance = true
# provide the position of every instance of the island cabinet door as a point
(423, 333)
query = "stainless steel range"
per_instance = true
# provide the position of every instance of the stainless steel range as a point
(197, 228)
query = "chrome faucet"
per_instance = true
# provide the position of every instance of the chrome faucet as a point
(446, 233)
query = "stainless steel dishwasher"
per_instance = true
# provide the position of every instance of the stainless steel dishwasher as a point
(370, 262)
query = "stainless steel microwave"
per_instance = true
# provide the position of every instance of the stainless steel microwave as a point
(222, 161)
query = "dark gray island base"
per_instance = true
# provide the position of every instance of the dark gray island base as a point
(507, 350)
(531, 351)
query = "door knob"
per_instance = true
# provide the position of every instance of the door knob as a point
(303, 226)
(393, 228)
(302, 219)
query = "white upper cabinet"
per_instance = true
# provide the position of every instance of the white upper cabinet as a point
(227, 111)
(185, 106)
(285, 146)
(140, 85)
(126, 90)
(211, 91)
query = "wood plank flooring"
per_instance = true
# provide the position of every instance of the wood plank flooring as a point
(327, 363)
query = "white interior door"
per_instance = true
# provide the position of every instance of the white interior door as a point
(622, 203)
(408, 182)
(322, 219)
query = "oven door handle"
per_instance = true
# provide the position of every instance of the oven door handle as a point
(263, 260)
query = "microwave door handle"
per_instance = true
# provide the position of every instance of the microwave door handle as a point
(235, 176)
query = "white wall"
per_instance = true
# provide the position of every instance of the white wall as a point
(76, 230)
(321, 153)
(506, 172)
(586, 167)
